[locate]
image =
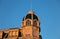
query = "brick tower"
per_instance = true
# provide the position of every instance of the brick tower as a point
(31, 26)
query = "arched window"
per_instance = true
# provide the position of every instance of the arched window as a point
(34, 23)
(5, 35)
(28, 23)
(20, 34)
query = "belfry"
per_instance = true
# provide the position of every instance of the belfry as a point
(30, 29)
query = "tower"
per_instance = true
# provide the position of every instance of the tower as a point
(31, 26)
(29, 29)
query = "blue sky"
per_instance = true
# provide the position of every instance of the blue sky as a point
(48, 11)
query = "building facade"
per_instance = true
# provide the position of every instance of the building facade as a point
(30, 29)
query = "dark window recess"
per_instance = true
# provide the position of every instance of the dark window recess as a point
(20, 34)
(5, 35)
(40, 37)
(34, 23)
(28, 23)
(35, 17)
(28, 16)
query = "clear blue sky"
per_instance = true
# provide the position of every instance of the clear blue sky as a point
(48, 11)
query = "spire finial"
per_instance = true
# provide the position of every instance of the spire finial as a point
(31, 5)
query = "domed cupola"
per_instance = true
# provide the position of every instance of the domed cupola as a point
(30, 15)
(30, 19)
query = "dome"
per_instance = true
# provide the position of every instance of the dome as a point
(35, 17)
(30, 15)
